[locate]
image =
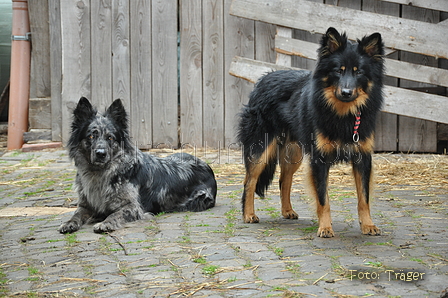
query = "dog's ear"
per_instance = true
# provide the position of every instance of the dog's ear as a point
(117, 112)
(83, 111)
(331, 42)
(372, 46)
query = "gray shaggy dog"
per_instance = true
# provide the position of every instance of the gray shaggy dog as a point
(117, 183)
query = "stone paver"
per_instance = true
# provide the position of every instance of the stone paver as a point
(214, 253)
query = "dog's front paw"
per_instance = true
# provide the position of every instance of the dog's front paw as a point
(290, 214)
(69, 227)
(370, 230)
(251, 218)
(105, 227)
(325, 232)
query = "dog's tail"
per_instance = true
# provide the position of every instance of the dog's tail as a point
(266, 176)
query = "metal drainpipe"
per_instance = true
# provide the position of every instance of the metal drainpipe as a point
(20, 74)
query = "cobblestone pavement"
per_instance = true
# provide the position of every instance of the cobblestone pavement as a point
(214, 253)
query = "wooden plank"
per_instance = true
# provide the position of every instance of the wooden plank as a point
(239, 40)
(417, 72)
(40, 113)
(397, 100)
(40, 83)
(251, 70)
(76, 58)
(141, 62)
(191, 73)
(283, 59)
(442, 132)
(264, 42)
(441, 5)
(37, 135)
(121, 72)
(416, 134)
(301, 62)
(54, 16)
(394, 68)
(386, 132)
(101, 51)
(415, 104)
(409, 35)
(296, 47)
(164, 73)
(213, 73)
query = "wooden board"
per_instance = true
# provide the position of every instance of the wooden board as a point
(416, 134)
(121, 71)
(441, 5)
(54, 16)
(386, 132)
(39, 115)
(141, 75)
(164, 73)
(76, 58)
(213, 74)
(284, 59)
(410, 35)
(191, 96)
(40, 86)
(397, 100)
(239, 40)
(265, 42)
(386, 138)
(101, 51)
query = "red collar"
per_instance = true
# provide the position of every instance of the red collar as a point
(355, 128)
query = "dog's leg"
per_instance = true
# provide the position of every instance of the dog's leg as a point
(254, 168)
(114, 221)
(78, 219)
(250, 183)
(319, 184)
(290, 161)
(362, 171)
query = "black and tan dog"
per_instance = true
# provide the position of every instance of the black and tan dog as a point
(117, 183)
(328, 114)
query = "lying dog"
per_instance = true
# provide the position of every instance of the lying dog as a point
(117, 183)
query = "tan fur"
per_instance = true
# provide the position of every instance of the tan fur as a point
(250, 182)
(344, 108)
(367, 226)
(290, 160)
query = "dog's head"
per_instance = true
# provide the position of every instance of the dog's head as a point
(98, 137)
(349, 70)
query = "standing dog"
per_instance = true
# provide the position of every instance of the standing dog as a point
(117, 183)
(328, 114)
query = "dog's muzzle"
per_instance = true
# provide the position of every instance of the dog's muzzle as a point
(99, 156)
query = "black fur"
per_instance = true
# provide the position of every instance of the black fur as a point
(117, 183)
(300, 108)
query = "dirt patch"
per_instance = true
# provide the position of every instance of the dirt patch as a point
(33, 211)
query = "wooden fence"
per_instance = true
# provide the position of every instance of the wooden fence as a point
(169, 61)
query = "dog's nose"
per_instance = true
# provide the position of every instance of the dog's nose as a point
(347, 93)
(100, 153)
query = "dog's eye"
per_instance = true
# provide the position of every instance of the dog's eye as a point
(339, 71)
(110, 138)
(91, 137)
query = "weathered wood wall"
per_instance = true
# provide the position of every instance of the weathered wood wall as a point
(169, 61)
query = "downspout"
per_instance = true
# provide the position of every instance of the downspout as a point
(20, 74)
